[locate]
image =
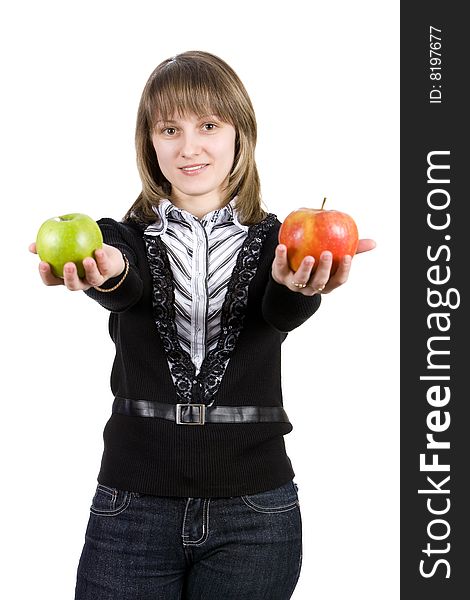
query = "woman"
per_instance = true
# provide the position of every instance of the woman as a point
(196, 497)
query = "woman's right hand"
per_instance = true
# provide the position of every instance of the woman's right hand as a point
(107, 263)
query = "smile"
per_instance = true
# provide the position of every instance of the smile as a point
(193, 169)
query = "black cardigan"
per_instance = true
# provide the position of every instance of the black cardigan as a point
(156, 456)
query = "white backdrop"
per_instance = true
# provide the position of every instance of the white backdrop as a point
(324, 81)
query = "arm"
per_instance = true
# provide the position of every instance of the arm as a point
(283, 306)
(292, 297)
(285, 309)
(128, 288)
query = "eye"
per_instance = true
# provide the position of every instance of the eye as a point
(170, 131)
(209, 126)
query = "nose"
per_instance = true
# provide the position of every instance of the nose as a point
(190, 144)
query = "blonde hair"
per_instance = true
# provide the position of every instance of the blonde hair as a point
(199, 83)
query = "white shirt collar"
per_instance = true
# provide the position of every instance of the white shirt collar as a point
(219, 215)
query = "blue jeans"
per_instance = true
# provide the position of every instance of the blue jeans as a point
(142, 547)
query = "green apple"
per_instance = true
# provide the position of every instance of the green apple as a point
(69, 238)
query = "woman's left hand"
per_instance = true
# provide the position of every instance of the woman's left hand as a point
(309, 280)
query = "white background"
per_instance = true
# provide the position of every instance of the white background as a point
(323, 78)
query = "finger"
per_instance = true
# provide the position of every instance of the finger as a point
(92, 274)
(342, 273)
(110, 261)
(302, 275)
(101, 261)
(365, 245)
(71, 279)
(338, 278)
(322, 272)
(280, 268)
(32, 248)
(47, 276)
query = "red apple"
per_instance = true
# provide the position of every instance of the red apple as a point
(310, 231)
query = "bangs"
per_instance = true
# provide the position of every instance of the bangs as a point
(184, 89)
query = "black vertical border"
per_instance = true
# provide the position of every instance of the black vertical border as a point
(427, 127)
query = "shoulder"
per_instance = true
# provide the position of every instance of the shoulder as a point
(263, 239)
(130, 226)
(127, 229)
(126, 236)
(269, 228)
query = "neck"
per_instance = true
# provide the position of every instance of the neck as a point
(198, 206)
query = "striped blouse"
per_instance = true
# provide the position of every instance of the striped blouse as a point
(202, 254)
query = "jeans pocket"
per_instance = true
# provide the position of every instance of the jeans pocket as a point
(109, 502)
(279, 500)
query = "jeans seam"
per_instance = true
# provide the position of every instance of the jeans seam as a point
(106, 490)
(299, 566)
(269, 509)
(184, 517)
(205, 525)
(114, 511)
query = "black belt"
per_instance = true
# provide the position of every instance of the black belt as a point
(199, 414)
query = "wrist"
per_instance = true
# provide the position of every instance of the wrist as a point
(275, 279)
(122, 267)
(122, 275)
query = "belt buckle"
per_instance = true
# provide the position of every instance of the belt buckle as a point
(201, 416)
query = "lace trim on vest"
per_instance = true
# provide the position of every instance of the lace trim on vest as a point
(203, 387)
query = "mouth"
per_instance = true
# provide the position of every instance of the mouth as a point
(193, 169)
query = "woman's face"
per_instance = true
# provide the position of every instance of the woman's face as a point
(195, 155)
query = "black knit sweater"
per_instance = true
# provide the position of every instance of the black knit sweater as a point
(157, 456)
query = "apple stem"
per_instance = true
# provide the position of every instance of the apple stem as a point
(324, 200)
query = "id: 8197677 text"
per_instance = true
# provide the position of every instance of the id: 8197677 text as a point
(435, 65)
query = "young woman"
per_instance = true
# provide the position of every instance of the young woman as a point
(196, 497)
